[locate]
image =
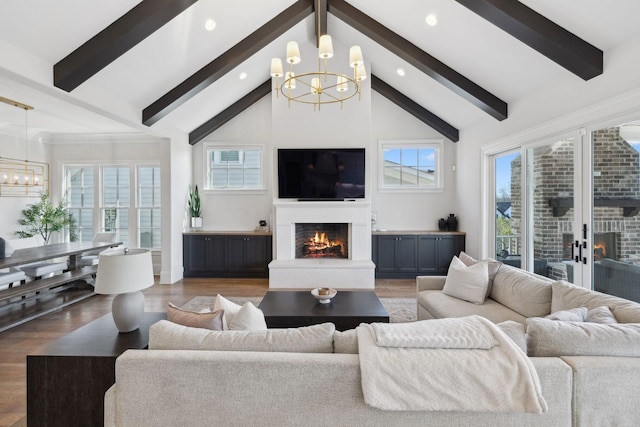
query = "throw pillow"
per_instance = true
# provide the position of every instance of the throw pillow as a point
(467, 283)
(205, 320)
(165, 335)
(515, 331)
(574, 315)
(601, 315)
(248, 318)
(550, 338)
(230, 309)
(345, 342)
(492, 266)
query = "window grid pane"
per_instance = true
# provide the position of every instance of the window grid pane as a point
(407, 167)
(236, 169)
(79, 193)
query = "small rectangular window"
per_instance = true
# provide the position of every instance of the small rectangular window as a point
(411, 164)
(237, 168)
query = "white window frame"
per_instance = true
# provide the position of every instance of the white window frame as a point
(436, 144)
(139, 208)
(218, 146)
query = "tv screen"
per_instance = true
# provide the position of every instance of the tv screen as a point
(321, 174)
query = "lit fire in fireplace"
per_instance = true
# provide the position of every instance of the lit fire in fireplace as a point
(320, 246)
(599, 251)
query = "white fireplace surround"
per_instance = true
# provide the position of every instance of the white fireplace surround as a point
(357, 272)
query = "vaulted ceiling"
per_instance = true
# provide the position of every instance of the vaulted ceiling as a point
(123, 65)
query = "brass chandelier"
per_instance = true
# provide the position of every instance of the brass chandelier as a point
(321, 86)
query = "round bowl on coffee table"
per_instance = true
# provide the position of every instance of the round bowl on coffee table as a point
(324, 295)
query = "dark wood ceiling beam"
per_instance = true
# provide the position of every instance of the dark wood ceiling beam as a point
(320, 7)
(230, 112)
(426, 63)
(414, 109)
(541, 34)
(112, 42)
(233, 57)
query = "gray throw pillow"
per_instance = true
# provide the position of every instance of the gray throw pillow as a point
(574, 315)
(601, 315)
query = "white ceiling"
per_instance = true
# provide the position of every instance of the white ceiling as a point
(42, 32)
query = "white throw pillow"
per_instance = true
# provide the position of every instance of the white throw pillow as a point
(578, 314)
(492, 266)
(230, 310)
(467, 283)
(248, 318)
(601, 315)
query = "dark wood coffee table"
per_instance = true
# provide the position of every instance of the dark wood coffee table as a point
(291, 309)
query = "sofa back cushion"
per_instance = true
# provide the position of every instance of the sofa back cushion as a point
(165, 335)
(550, 338)
(567, 296)
(525, 293)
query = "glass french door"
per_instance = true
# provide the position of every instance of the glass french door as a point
(614, 197)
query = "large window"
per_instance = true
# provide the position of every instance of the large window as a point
(233, 168)
(80, 197)
(116, 196)
(148, 206)
(411, 165)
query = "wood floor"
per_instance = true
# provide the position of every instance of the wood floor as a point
(29, 338)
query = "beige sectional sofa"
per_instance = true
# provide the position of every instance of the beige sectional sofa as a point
(604, 359)
(312, 376)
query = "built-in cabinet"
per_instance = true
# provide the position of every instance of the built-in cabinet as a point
(226, 255)
(405, 255)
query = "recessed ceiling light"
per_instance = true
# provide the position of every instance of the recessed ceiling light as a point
(400, 72)
(431, 19)
(210, 24)
(242, 76)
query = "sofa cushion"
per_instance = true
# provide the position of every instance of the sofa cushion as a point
(467, 283)
(165, 335)
(345, 342)
(515, 331)
(523, 292)
(566, 296)
(492, 267)
(549, 338)
(205, 320)
(441, 305)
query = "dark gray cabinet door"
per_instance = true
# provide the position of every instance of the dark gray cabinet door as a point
(396, 254)
(406, 254)
(427, 255)
(248, 254)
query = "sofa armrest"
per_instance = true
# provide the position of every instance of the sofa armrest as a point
(424, 283)
(110, 407)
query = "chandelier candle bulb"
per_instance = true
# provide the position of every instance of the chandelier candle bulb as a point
(355, 56)
(293, 53)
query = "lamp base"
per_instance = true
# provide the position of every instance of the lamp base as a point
(127, 310)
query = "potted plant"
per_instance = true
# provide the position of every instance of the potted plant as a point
(194, 208)
(44, 219)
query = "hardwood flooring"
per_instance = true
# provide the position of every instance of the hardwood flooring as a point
(31, 337)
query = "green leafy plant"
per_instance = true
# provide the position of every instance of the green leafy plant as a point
(44, 219)
(194, 202)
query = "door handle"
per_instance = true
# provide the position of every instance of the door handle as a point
(584, 245)
(576, 257)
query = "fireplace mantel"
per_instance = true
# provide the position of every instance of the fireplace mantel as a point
(285, 271)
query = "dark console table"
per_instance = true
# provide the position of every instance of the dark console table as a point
(67, 381)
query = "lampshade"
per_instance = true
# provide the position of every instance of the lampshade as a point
(125, 273)
(276, 67)
(342, 84)
(355, 56)
(293, 53)
(325, 49)
(120, 272)
(361, 73)
(315, 85)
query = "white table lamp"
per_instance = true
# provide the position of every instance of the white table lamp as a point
(124, 274)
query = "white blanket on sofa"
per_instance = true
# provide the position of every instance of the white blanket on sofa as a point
(453, 364)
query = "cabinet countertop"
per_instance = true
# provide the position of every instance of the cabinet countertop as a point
(227, 233)
(413, 232)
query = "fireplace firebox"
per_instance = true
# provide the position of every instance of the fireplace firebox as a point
(605, 245)
(322, 240)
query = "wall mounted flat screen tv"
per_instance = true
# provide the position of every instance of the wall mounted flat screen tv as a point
(321, 174)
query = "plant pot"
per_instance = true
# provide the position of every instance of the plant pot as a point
(196, 222)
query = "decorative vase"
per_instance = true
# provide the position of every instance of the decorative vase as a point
(196, 222)
(452, 223)
(442, 224)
